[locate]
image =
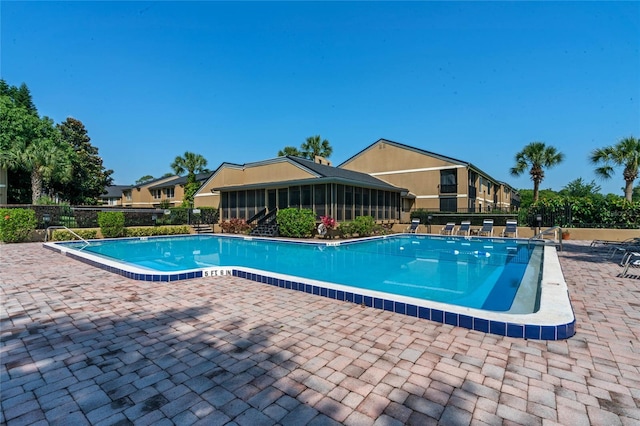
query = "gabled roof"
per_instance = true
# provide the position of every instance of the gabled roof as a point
(319, 173)
(181, 180)
(333, 172)
(423, 152)
(155, 182)
(114, 191)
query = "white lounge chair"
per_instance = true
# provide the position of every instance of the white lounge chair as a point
(465, 228)
(511, 229)
(448, 228)
(413, 228)
(487, 228)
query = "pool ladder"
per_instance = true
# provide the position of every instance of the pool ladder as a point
(46, 234)
(557, 234)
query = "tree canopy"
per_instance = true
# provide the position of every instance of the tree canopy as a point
(536, 156)
(312, 146)
(90, 178)
(626, 154)
(144, 179)
(578, 188)
(192, 164)
(43, 157)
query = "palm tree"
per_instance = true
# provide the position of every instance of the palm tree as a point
(625, 153)
(289, 150)
(190, 163)
(536, 156)
(314, 146)
(38, 150)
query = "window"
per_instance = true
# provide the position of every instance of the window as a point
(448, 181)
(156, 193)
(320, 199)
(283, 198)
(294, 197)
(127, 195)
(169, 192)
(448, 204)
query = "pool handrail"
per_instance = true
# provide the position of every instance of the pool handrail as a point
(557, 230)
(46, 234)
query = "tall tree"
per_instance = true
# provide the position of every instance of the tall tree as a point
(192, 164)
(311, 147)
(90, 178)
(314, 145)
(536, 156)
(34, 146)
(19, 190)
(625, 153)
(144, 179)
(579, 188)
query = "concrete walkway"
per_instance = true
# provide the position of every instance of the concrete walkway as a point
(80, 345)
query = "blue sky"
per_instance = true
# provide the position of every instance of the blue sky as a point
(238, 81)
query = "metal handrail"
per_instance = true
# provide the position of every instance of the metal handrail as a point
(46, 234)
(553, 229)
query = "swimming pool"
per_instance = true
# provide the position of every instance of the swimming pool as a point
(458, 281)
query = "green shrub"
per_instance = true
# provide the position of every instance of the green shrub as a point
(111, 224)
(346, 229)
(364, 226)
(157, 230)
(64, 235)
(296, 223)
(16, 224)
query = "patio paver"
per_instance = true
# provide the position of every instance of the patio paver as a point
(79, 345)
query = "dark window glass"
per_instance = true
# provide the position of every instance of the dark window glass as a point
(319, 200)
(340, 203)
(448, 204)
(448, 181)
(306, 197)
(294, 197)
(283, 198)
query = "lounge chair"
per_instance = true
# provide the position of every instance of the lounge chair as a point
(511, 229)
(595, 244)
(625, 248)
(448, 228)
(413, 228)
(465, 228)
(487, 228)
(630, 260)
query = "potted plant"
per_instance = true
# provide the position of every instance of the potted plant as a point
(565, 234)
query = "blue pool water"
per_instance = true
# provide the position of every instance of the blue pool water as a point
(471, 272)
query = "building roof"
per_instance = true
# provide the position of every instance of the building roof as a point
(181, 180)
(424, 152)
(114, 191)
(321, 174)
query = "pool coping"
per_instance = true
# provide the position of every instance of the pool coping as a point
(555, 320)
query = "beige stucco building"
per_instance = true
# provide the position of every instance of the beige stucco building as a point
(435, 182)
(242, 190)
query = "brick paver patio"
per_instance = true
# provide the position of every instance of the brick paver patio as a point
(83, 346)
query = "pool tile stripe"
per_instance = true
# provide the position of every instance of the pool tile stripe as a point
(524, 331)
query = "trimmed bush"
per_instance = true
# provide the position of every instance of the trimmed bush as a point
(64, 235)
(16, 224)
(157, 230)
(296, 223)
(111, 224)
